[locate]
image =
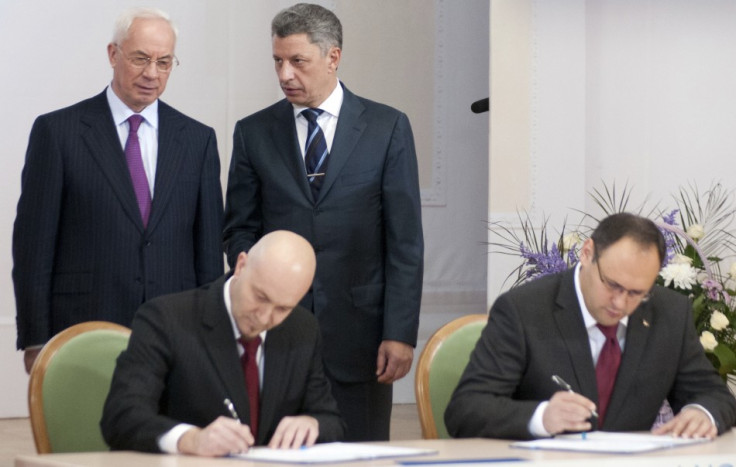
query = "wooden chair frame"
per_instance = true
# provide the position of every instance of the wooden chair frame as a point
(421, 380)
(38, 371)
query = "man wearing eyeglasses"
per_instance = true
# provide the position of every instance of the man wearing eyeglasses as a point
(617, 345)
(121, 198)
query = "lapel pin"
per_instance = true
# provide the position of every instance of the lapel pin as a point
(645, 323)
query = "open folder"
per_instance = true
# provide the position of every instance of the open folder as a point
(607, 442)
(331, 452)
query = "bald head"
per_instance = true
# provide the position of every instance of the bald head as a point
(270, 280)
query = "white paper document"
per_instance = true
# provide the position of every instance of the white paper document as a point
(330, 452)
(608, 442)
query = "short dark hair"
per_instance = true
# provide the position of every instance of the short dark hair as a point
(617, 226)
(318, 23)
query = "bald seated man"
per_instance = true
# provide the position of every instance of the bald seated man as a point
(180, 387)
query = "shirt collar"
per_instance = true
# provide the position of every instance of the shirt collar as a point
(228, 307)
(590, 322)
(121, 112)
(331, 105)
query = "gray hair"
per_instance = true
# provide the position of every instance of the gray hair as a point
(320, 25)
(126, 18)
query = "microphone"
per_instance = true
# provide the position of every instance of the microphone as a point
(480, 106)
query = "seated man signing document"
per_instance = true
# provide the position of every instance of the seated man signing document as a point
(186, 383)
(622, 344)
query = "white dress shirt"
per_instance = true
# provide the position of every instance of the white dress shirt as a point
(147, 132)
(327, 121)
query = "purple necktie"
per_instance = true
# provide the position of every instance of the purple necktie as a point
(607, 368)
(135, 167)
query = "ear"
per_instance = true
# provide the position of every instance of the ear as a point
(112, 54)
(587, 251)
(240, 263)
(334, 55)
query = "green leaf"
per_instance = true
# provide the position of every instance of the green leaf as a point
(726, 357)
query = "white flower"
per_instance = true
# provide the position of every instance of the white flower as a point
(718, 321)
(684, 276)
(708, 341)
(681, 259)
(696, 231)
(570, 240)
(732, 271)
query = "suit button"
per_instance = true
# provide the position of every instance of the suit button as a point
(148, 244)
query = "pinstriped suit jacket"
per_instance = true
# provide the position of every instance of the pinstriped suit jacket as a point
(80, 251)
(182, 362)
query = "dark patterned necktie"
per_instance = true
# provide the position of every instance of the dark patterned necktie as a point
(315, 152)
(135, 167)
(250, 370)
(607, 368)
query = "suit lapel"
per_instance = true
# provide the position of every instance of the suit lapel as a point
(103, 143)
(637, 332)
(275, 378)
(348, 131)
(170, 158)
(219, 343)
(286, 143)
(569, 320)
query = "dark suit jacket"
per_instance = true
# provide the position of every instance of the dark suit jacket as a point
(365, 226)
(182, 362)
(537, 330)
(79, 247)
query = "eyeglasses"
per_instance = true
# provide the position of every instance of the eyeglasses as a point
(617, 289)
(163, 65)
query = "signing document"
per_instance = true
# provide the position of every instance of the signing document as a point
(330, 452)
(608, 442)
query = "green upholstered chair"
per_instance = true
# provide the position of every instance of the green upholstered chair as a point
(439, 368)
(69, 383)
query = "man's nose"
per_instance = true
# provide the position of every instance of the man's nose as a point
(151, 70)
(285, 72)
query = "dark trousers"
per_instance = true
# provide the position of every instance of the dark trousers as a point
(366, 409)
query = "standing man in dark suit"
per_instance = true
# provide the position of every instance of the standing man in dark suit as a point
(341, 171)
(172, 386)
(109, 218)
(623, 344)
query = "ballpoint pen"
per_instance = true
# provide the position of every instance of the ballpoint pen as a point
(563, 384)
(231, 408)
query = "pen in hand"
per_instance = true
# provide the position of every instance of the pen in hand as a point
(563, 384)
(231, 408)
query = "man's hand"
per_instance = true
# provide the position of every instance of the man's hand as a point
(295, 432)
(394, 361)
(219, 438)
(29, 356)
(567, 411)
(691, 422)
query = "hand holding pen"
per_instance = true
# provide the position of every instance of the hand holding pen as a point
(567, 410)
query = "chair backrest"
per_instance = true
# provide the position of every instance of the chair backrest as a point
(439, 368)
(69, 384)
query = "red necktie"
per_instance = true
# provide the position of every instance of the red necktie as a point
(135, 167)
(250, 369)
(607, 368)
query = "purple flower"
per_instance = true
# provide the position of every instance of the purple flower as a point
(712, 289)
(670, 239)
(548, 261)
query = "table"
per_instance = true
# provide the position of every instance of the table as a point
(722, 451)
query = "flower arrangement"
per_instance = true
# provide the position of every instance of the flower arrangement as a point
(698, 238)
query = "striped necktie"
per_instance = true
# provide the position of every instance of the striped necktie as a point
(315, 153)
